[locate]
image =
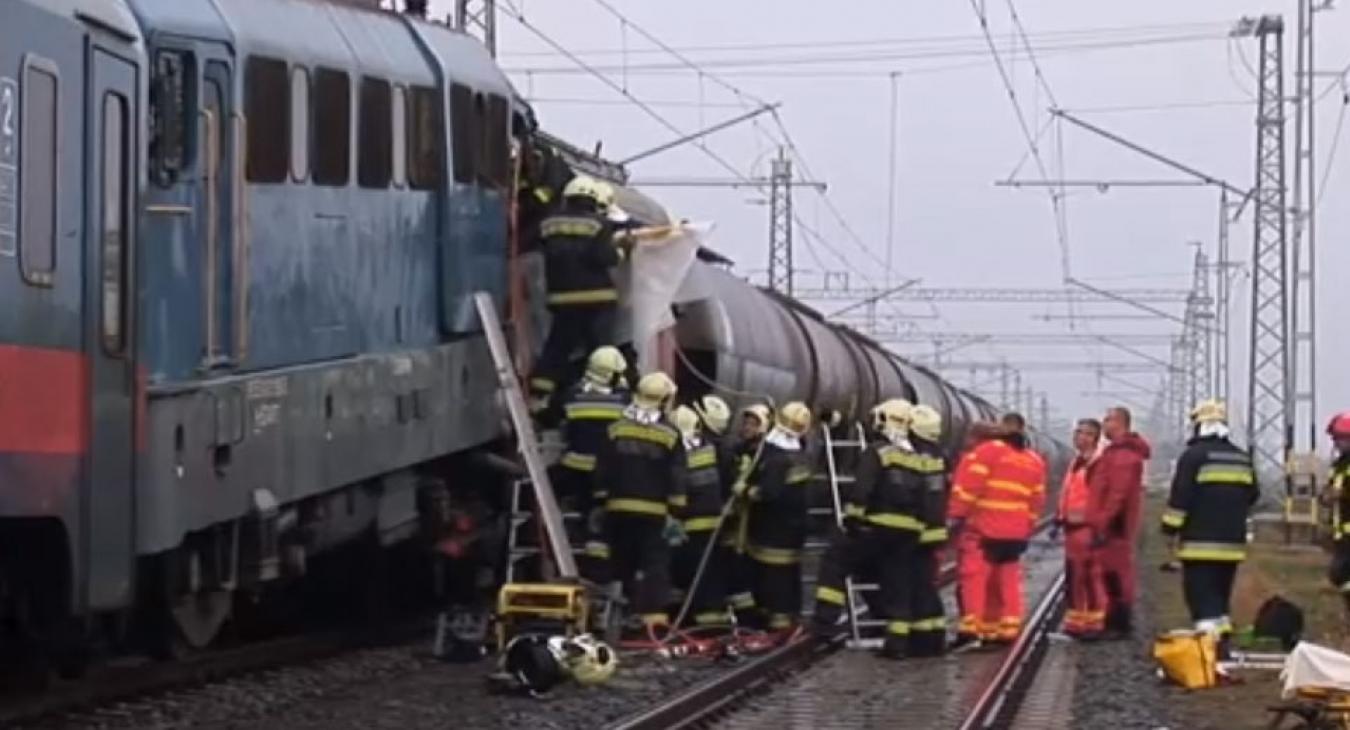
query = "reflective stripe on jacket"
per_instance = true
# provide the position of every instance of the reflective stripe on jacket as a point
(1212, 490)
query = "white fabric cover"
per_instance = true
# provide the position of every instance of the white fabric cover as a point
(650, 285)
(1310, 665)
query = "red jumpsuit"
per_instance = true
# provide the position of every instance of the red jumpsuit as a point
(1087, 593)
(998, 491)
(1115, 498)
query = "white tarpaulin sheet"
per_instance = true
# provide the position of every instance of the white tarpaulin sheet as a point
(1310, 665)
(652, 282)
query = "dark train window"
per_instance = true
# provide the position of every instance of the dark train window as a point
(331, 152)
(114, 228)
(496, 143)
(267, 106)
(171, 116)
(37, 165)
(374, 137)
(425, 138)
(299, 124)
(463, 133)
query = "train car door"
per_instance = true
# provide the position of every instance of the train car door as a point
(111, 111)
(220, 129)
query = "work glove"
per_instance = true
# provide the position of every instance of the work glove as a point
(740, 489)
(674, 533)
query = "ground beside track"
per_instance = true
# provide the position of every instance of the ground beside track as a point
(1298, 573)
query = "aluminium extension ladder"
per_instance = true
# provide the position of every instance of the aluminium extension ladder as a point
(855, 605)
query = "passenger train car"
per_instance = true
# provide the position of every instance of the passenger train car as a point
(238, 244)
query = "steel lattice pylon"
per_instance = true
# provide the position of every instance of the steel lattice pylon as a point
(478, 18)
(1268, 353)
(1198, 332)
(780, 224)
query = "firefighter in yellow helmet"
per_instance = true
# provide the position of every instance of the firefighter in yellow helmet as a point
(588, 410)
(928, 632)
(776, 490)
(638, 468)
(700, 519)
(1213, 489)
(742, 449)
(580, 250)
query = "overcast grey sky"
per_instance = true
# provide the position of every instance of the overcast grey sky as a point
(957, 134)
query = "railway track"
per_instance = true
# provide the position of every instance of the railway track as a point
(809, 682)
(123, 691)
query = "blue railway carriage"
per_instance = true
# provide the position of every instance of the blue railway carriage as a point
(238, 243)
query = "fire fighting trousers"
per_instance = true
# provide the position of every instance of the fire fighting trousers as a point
(1208, 586)
(708, 606)
(1339, 571)
(1086, 613)
(739, 570)
(777, 582)
(991, 591)
(1117, 561)
(928, 631)
(575, 331)
(640, 558)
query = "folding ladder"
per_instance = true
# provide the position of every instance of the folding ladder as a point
(855, 606)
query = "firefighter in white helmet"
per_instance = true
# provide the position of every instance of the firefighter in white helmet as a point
(700, 519)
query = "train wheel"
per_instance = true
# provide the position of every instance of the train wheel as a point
(199, 618)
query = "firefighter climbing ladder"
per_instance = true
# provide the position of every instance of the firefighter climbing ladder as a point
(853, 590)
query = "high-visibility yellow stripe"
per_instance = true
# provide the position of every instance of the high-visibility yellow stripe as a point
(598, 550)
(702, 459)
(780, 621)
(741, 600)
(543, 385)
(1174, 517)
(917, 462)
(1003, 506)
(701, 524)
(578, 462)
(894, 521)
(1211, 551)
(712, 618)
(934, 535)
(543, 195)
(678, 500)
(962, 494)
(1225, 474)
(825, 594)
(936, 623)
(584, 296)
(638, 506)
(773, 556)
(898, 628)
(854, 510)
(622, 429)
(799, 474)
(1010, 486)
(559, 226)
(593, 411)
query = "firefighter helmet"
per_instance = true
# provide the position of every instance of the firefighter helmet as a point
(606, 197)
(605, 365)
(534, 663)
(590, 661)
(1210, 411)
(714, 412)
(584, 186)
(762, 415)
(926, 423)
(795, 418)
(685, 420)
(1339, 427)
(895, 413)
(654, 389)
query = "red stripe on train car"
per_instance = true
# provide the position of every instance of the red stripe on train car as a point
(42, 401)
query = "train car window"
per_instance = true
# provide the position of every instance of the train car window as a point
(331, 155)
(399, 130)
(463, 133)
(299, 124)
(37, 164)
(171, 92)
(496, 143)
(425, 138)
(480, 125)
(114, 229)
(268, 109)
(375, 142)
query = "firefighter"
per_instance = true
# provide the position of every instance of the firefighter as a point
(1213, 489)
(580, 250)
(928, 633)
(776, 493)
(590, 407)
(742, 454)
(700, 520)
(994, 502)
(860, 544)
(1338, 484)
(1086, 614)
(714, 415)
(638, 468)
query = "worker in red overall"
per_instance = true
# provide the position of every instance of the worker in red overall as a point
(1086, 614)
(998, 492)
(1115, 501)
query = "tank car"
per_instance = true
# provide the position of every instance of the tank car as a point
(239, 240)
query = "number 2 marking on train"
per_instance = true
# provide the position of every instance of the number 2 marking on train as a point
(7, 104)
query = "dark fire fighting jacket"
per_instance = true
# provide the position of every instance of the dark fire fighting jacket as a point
(639, 466)
(1213, 488)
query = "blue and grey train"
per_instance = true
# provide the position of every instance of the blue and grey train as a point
(238, 245)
